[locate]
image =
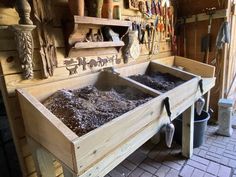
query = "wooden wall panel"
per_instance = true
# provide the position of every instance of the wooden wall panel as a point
(195, 32)
(10, 68)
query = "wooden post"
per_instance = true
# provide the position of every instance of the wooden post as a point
(42, 159)
(67, 172)
(187, 132)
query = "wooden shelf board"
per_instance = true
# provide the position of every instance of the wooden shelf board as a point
(87, 45)
(100, 21)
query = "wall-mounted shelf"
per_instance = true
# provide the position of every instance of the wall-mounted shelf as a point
(100, 21)
(90, 45)
(77, 29)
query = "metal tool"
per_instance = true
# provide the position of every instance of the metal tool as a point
(170, 128)
(148, 28)
(200, 103)
(206, 40)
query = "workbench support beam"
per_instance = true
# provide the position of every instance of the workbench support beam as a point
(43, 160)
(67, 172)
(188, 129)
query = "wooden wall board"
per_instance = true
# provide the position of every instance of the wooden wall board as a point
(186, 8)
(7, 41)
(8, 16)
(12, 70)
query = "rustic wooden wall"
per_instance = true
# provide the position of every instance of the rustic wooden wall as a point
(195, 32)
(12, 74)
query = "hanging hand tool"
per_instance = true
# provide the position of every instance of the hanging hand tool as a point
(185, 40)
(148, 28)
(170, 128)
(154, 34)
(153, 8)
(200, 103)
(195, 36)
(148, 7)
(206, 40)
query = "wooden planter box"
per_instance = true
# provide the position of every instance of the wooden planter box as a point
(99, 151)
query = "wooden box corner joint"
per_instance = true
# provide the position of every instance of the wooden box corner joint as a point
(25, 47)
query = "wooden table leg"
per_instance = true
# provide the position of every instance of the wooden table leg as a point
(187, 132)
(207, 98)
(67, 172)
(43, 160)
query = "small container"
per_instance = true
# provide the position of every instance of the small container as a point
(76, 7)
(225, 117)
(107, 9)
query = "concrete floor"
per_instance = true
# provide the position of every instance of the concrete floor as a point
(216, 157)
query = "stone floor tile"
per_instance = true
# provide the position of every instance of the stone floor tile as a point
(202, 153)
(198, 173)
(137, 157)
(197, 165)
(208, 175)
(115, 173)
(212, 149)
(172, 173)
(153, 153)
(220, 151)
(172, 165)
(162, 171)
(232, 163)
(148, 168)
(214, 155)
(146, 174)
(196, 151)
(129, 165)
(224, 171)
(122, 170)
(224, 160)
(200, 160)
(230, 147)
(136, 173)
(213, 168)
(187, 171)
(212, 158)
(152, 163)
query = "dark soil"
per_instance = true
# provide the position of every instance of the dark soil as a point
(86, 109)
(162, 82)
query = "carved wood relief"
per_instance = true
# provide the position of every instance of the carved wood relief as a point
(43, 19)
(25, 47)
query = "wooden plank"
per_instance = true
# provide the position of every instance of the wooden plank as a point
(15, 81)
(12, 126)
(187, 134)
(25, 149)
(155, 67)
(121, 128)
(42, 159)
(116, 156)
(169, 61)
(195, 67)
(11, 65)
(87, 45)
(8, 16)
(100, 21)
(51, 128)
(29, 163)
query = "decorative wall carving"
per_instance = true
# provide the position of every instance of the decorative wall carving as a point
(25, 47)
(43, 16)
(73, 64)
